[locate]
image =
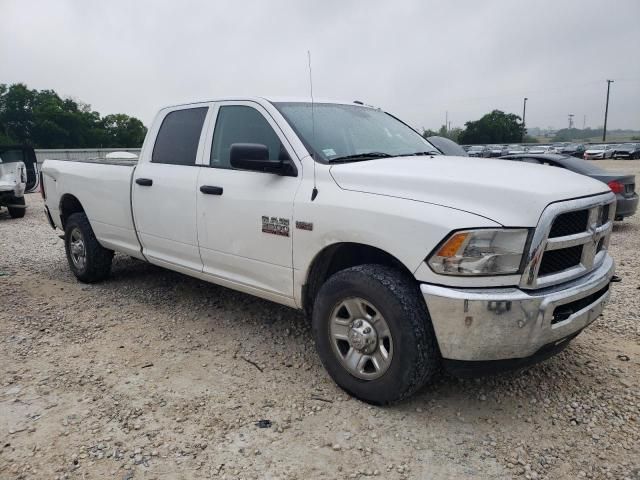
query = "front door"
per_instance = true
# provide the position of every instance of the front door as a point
(164, 191)
(245, 217)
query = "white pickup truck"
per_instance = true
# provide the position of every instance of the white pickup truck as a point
(406, 260)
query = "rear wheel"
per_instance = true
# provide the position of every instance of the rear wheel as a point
(17, 212)
(374, 335)
(89, 261)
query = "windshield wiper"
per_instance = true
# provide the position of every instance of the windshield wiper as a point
(419, 154)
(360, 156)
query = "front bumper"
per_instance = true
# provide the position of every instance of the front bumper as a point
(508, 323)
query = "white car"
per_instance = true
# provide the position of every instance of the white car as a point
(404, 260)
(599, 152)
(537, 149)
(515, 149)
(13, 181)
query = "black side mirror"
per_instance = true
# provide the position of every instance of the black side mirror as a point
(255, 157)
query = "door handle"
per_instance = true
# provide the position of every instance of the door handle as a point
(145, 182)
(211, 190)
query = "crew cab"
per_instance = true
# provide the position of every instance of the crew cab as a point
(405, 260)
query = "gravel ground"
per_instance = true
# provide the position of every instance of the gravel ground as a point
(155, 375)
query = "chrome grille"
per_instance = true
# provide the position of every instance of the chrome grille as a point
(555, 261)
(571, 239)
(569, 223)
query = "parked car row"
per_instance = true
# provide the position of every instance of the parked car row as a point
(627, 151)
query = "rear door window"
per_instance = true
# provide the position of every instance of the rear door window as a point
(178, 137)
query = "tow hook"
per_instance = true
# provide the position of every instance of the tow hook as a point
(616, 279)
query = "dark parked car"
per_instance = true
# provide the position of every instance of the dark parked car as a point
(627, 151)
(573, 149)
(622, 185)
(447, 146)
(479, 151)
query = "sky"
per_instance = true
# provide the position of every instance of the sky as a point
(423, 61)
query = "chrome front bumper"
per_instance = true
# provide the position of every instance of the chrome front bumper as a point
(509, 323)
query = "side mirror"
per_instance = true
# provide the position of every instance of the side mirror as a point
(255, 157)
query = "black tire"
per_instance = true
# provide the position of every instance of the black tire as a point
(17, 212)
(97, 259)
(416, 358)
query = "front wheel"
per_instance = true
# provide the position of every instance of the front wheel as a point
(374, 335)
(89, 261)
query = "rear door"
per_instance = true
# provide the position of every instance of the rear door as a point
(164, 189)
(245, 221)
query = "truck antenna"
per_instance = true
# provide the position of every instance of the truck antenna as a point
(314, 192)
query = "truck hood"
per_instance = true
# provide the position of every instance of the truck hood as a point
(511, 193)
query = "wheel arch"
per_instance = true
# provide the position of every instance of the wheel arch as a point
(69, 204)
(339, 256)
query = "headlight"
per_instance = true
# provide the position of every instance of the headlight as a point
(480, 252)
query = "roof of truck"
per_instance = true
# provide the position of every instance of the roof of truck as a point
(271, 99)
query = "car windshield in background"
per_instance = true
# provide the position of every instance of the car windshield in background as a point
(11, 155)
(351, 132)
(475, 149)
(447, 146)
(596, 147)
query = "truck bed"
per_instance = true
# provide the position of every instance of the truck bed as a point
(103, 188)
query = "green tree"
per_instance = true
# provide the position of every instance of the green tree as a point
(123, 130)
(44, 119)
(452, 134)
(494, 127)
(576, 134)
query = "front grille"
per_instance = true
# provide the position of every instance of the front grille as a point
(571, 239)
(569, 223)
(604, 215)
(556, 261)
(563, 312)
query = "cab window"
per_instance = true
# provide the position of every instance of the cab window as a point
(242, 124)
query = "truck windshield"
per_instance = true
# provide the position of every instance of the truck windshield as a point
(339, 132)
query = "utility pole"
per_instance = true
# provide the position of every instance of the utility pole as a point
(524, 113)
(571, 115)
(606, 112)
(584, 122)
(446, 121)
